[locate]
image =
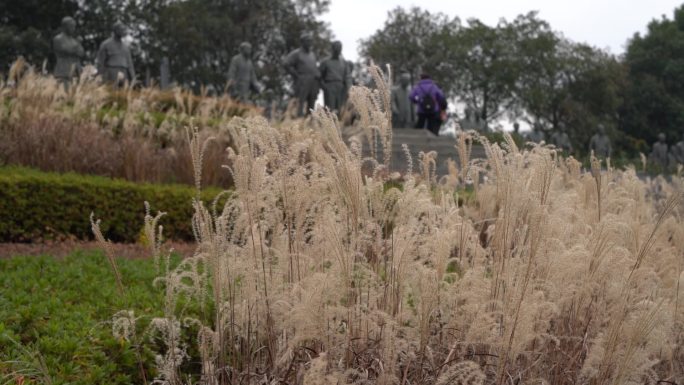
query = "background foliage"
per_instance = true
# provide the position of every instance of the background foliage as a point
(524, 70)
(198, 36)
(521, 69)
(654, 100)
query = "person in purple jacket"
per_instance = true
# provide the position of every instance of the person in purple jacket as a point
(431, 102)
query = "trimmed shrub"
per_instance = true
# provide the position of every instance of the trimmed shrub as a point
(35, 205)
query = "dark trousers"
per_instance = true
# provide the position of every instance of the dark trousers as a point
(333, 94)
(433, 122)
(306, 91)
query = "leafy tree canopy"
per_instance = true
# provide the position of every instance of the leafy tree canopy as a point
(198, 36)
(654, 100)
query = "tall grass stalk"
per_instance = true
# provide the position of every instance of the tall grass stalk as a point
(319, 270)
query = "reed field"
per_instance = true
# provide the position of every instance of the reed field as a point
(137, 135)
(327, 266)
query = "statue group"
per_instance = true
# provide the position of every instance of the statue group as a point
(664, 157)
(599, 143)
(115, 67)
(114, 60)
(333, 75)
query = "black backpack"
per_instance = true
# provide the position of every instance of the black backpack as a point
(427, 103)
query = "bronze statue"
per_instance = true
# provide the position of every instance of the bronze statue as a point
(561, 140)
(334, 77)
(536, 135)
(114, 61)
(600, 143)
(402, 108)
(660, 154)
(301, 64)
(466, 123)
(472, 121)
(68, 51)
(241, 75)
(678, 152)
(350, 79)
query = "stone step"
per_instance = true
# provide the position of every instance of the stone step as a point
(417, 141)
(441, 149)
(399, 161)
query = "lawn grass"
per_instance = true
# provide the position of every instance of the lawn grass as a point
(55, 319)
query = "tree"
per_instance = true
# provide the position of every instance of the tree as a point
(654, 100)
(414, 41)
(521, 69)
(198, 36)
(595, 94)
(201, 36)
(540, 81)
(28, 26)
(473, 64)
(562, 82)
(484, 68)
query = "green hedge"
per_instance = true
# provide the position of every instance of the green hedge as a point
(35, 205)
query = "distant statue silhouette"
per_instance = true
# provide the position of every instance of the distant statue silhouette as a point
(536, 135)
(561, 140)
(68, 51)
(301, 65)
(678, 152)
(659, 153)
(241, 74)
(334, 78)
(114, 61)
(600, 143)
(402, 109)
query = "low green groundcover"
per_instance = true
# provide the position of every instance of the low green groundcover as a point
(36, 205)
(55, 319)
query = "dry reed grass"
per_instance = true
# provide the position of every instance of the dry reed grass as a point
(138, 135)
(315, 273)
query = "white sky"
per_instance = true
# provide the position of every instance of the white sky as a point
(602, 23)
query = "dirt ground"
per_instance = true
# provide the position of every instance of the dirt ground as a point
(63, 248)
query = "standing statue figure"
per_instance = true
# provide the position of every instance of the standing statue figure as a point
(600, 143)
(241, 75)
(68, 51)
(301, 64)
(537, 134)
(114, 61)
(402, 109)
(678, 152)
(467, 123)
(561, 140)
(334, 78)
(351, 81)
(659, 153)
(472, 121)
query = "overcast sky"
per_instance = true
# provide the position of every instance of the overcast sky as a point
(602, 23)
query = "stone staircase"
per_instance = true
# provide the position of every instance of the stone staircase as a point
(417, 141)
